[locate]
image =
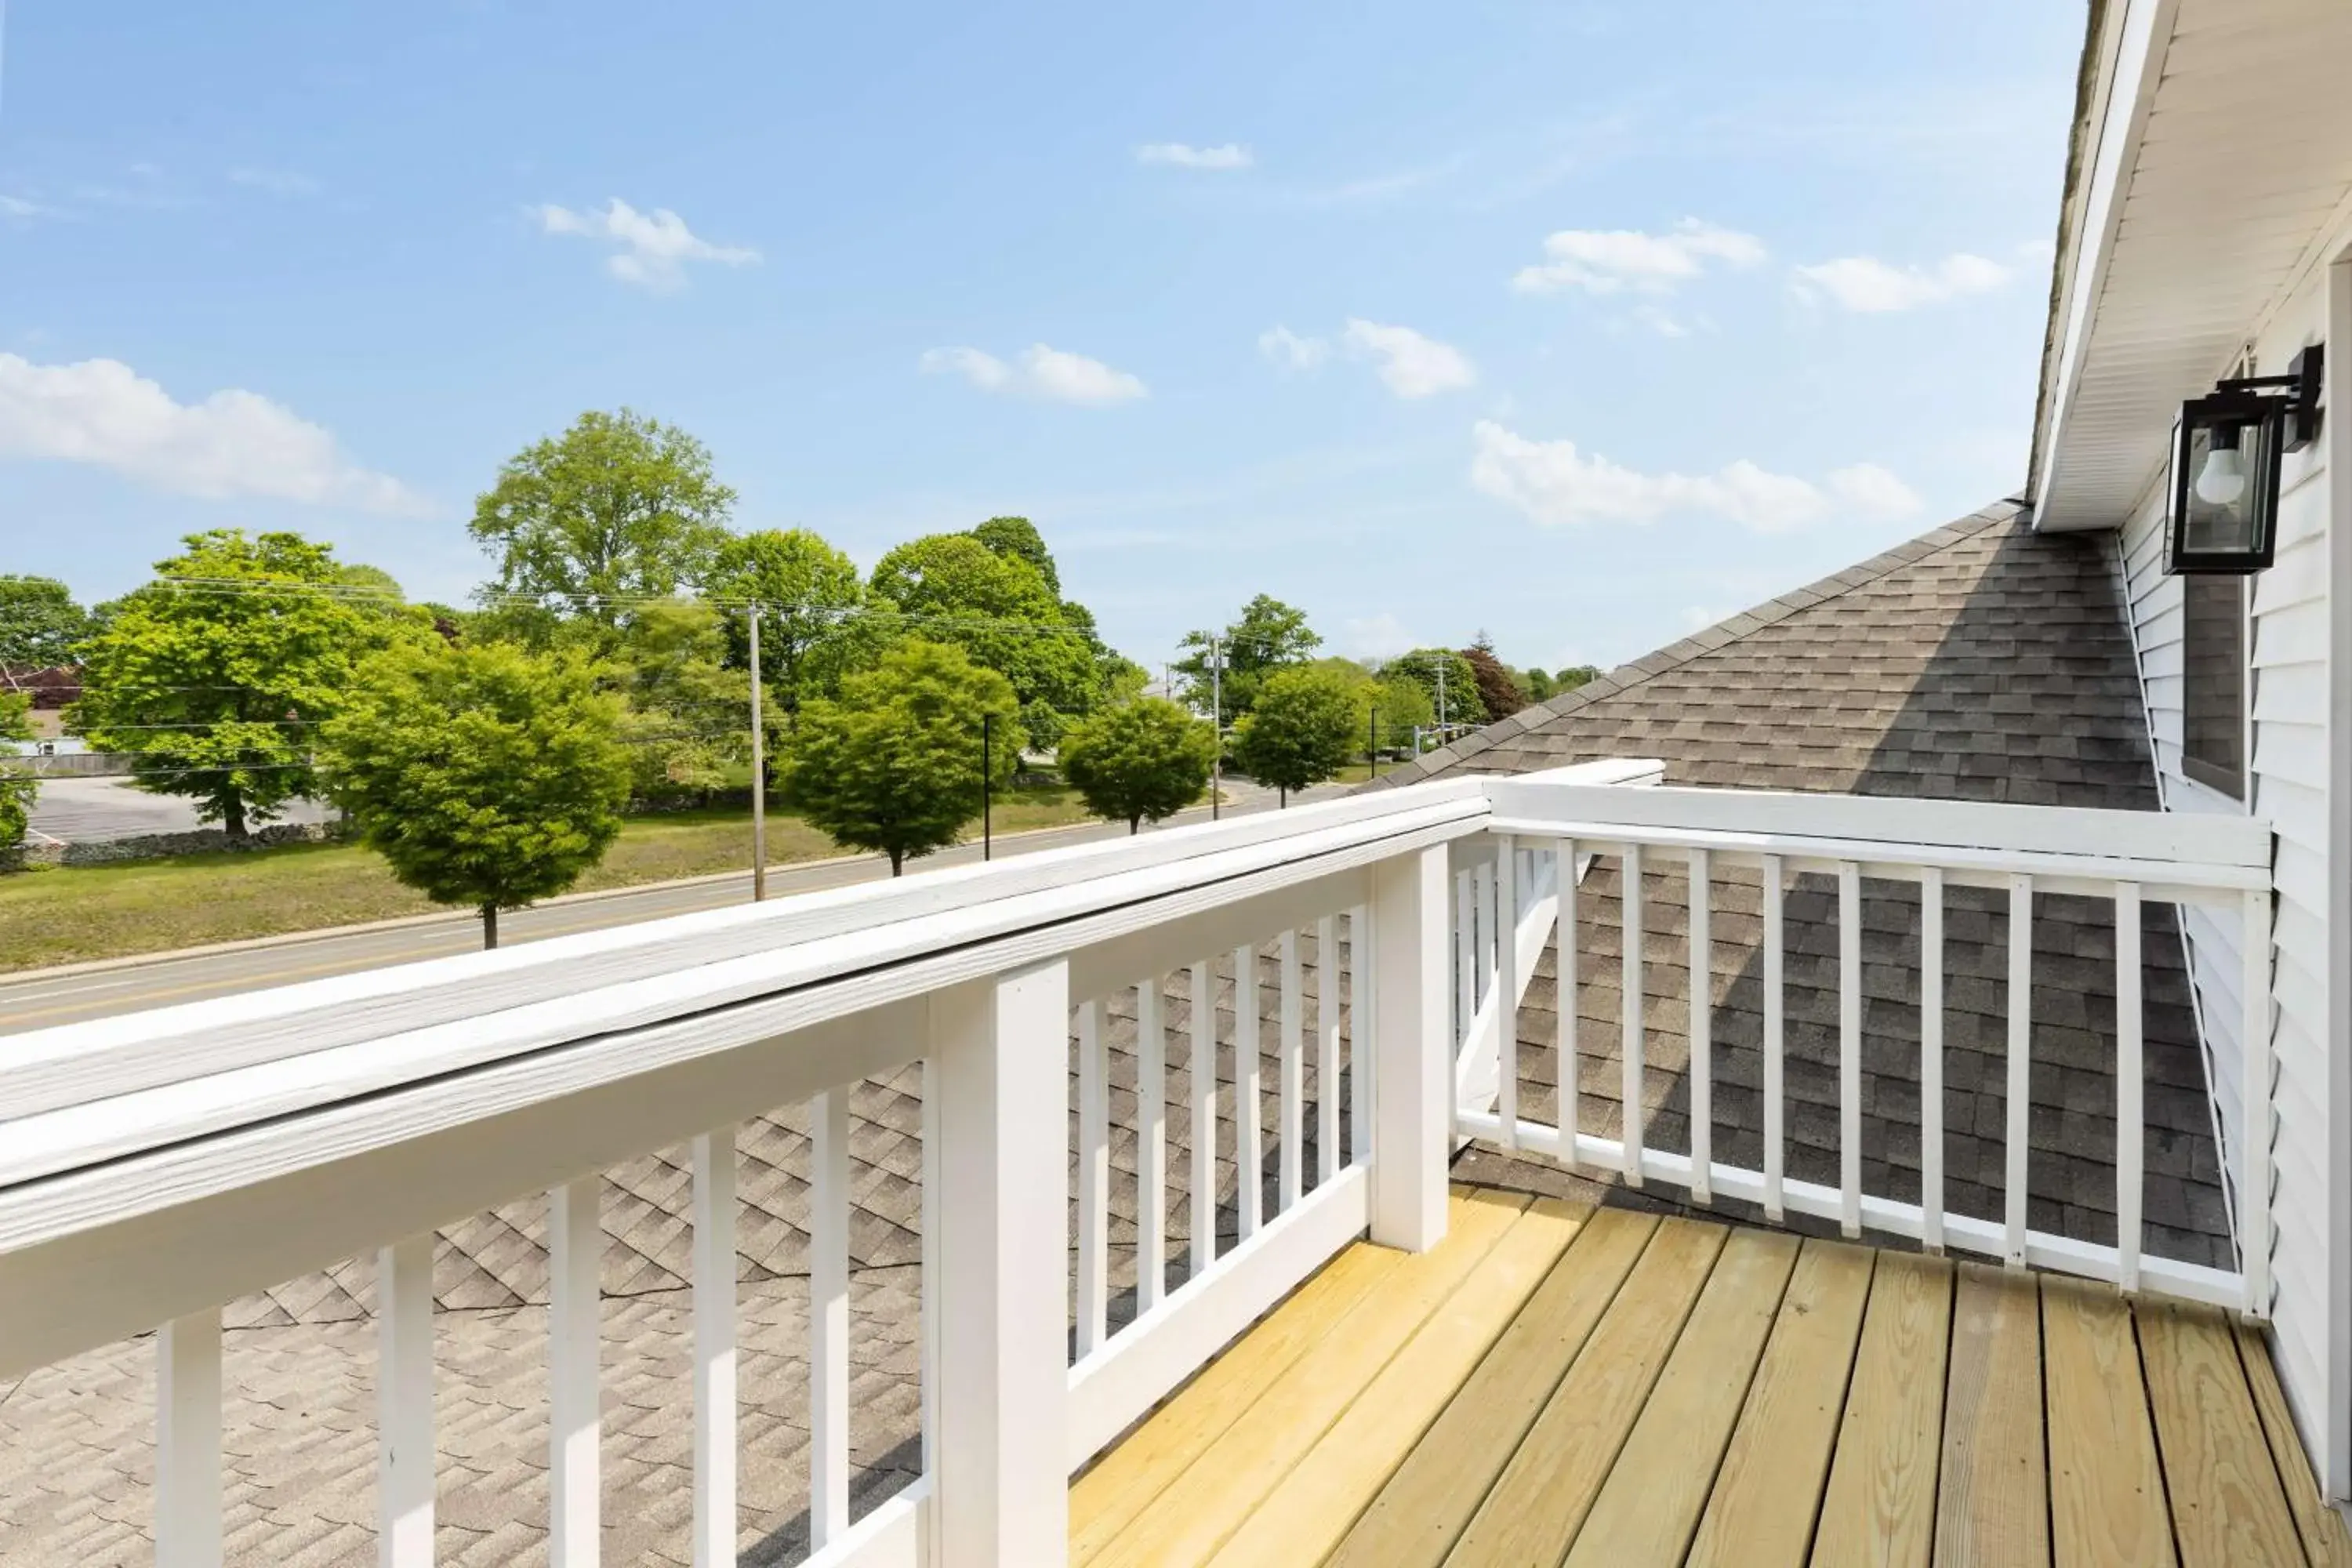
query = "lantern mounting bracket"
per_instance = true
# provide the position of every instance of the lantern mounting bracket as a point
(2297, 392)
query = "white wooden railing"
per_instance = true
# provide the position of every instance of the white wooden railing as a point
(155, 1166)
(2127, 857)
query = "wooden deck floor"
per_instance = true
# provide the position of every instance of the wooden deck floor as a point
(1558, 1384)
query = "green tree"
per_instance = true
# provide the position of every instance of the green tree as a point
(1018, 537)
(1574, 675)
(366, 581)
(619, 507)
(817, 622)
(1043, 725)
(1140, 760)
(215, 677)
(894, 763)
(487, 775)
(17, 785)
(998, 609)
(40, 622)
(688, 722)
(1269, 636)
(1301, 731)
(1460, 705)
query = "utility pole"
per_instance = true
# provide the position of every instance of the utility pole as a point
(987, 787)
(758, 775)
(1441, 704)
(1216, 722)
(1372, 750)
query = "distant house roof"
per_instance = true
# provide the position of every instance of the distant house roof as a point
(1980, 662)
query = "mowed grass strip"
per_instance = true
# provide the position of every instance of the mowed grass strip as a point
(68, 914)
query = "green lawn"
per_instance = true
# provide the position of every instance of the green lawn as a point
(68, 914)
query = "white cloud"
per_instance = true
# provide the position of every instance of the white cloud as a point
(1411, 364)
(1291, 352)
(1050, 373)
(276, 182)
(1558, 486)
(1867, 284)
(234, 443)
(1184, 155)
(17, 206)
(654, 248)
(1666, 324)
(1608, 261)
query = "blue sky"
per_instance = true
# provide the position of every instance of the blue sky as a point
(1579, 323)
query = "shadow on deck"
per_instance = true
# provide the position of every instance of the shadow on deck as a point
(1556, 1384)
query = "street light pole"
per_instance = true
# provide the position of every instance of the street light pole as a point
(758, 775)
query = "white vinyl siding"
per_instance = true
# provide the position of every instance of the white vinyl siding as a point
(2289, 702)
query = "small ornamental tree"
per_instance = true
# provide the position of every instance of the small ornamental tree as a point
(486, 775)
(894, 765)
(1140, 760)
(1301, 731)
(1499, 694)
(17, 782)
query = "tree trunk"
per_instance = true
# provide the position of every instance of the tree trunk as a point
(897, 861)
(1134, 825)
(233, 821)
(489, 927)
(1281, 799)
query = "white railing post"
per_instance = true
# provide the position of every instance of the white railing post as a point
(1629, 907)
(2130, 1107)
(1411, 1049)
(1249, 1096)
(994, 1294)
(1701, 1030)
(1774, 1028)
(188, 1441)
(1327, 1049)
(575, 1247)
(1850, 1049)
(1292, 1092)
(2021, 1058)
(1566, 1065)
(714, 1348)
(404, 1486)
(1931, 1059)
(1366, 1087)
(1507, 993)
(828, 1235)
(1093, 1180)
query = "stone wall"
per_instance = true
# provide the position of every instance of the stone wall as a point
(149, 845)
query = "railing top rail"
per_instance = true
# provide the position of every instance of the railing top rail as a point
(73, 1064)
(1528, 800)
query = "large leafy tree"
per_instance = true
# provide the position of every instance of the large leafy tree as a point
(1301, 731)
(17, 782)
(817, 622)
(1018, 538)
(1454, 700)
(487, 775)
(895, 762)
(617, 508)
(40, 625)
(998, 609)
(688, 720)
(1499, 696)
(1269, 636)
(1140, 760)
(215, 677)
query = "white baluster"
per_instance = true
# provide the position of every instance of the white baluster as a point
(2254, 1173)
(1293, 1046)
(714, 1348)
(1850, 1049)
(1249, 1092)
(2131, 1117)
(1931, 1059)
(1568, 1068)
(1630, 909)
(2021, 1048)
(1094, 1181)
(404, 1486)
(1774, 1037)
(188, 1441)
(1151, 1144)
(1361, 1027)
(1466, 953)
(1507, 993)
(575, 1246)
(828, 1317)
(1327, 1049)
(1204, 1118)
(1702, 1025)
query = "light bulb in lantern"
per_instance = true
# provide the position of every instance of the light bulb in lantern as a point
(2222, 479)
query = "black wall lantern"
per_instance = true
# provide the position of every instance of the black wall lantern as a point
(2225, 468)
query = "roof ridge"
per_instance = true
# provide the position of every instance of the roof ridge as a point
(1708, 639)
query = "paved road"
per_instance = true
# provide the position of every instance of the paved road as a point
(75, 810)
(34, 1004)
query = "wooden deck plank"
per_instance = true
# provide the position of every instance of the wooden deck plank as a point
(1993, 1502)
(1199, 1508)
(2227, 1508)
(1880, 1507)
(1650, 1505)
(1418, 1516)
(2325, 1541)
(1541, 1500)
(1767, 1491)
(2106, 1490)
(1122, 1483)
(1319, 1500)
